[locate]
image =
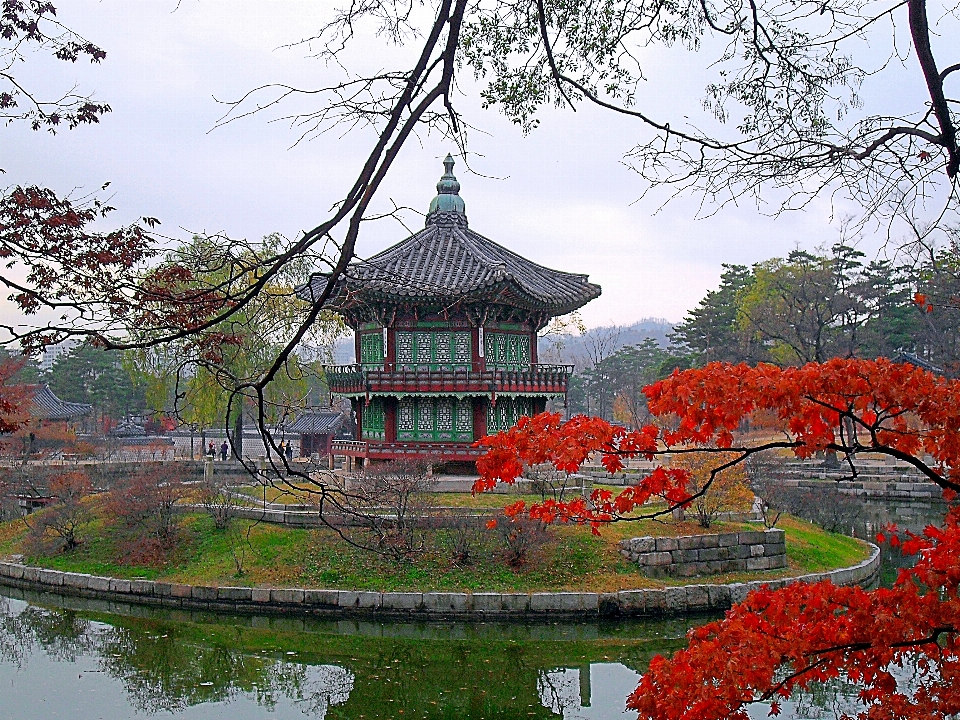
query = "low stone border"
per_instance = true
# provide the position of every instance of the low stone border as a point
(690, 555)
(681, 600)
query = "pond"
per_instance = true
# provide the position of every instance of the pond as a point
(91, 660)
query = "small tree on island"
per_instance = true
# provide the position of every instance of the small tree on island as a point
(726, 491)
(778, 641)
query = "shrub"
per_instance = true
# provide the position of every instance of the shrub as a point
(57, 528)
(729, 491)
(142, 507)
(520, 537)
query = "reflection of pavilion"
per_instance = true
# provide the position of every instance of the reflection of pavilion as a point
(446, 325)
(568, 692)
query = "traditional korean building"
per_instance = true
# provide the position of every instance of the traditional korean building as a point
(446, 325)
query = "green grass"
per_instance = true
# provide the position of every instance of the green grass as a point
(571, 559)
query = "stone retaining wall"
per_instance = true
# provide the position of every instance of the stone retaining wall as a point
(691, 555)
(680, 600)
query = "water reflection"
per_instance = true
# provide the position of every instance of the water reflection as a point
(93, 663)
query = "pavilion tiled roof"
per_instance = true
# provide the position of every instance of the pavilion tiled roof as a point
(45, 405)
(449, 261)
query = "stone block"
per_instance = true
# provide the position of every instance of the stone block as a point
(99, 583)
(689, 556)
(181, 591)
(740, 552)
(685, 570)
(487, 602)
(348, 599)
(401, 601)
(697, 598)
(515, 602)
(120, 586)
(31, 574)
(234, 594)
(589, 601)
(75, 580)
(689, 542)
(162, 589)
(657, 559)
(439, 602)
(709, 541)
(655, 601)
(719, 596)
(545, 602)
(752, 537)
(735, 565)
(676, 600)
(667, 544)
(260, 595)
(738, 592)
(51, 577)
(13, 570)
(774, 549)
(676, 556)
(321, 598)
(775, 535)
(756, 551)
(728, 539)
(632, 602)
(141, 588)
(287, 596)
(758, 563)
(205, 593)
(608, 605)
(708, 554)
(712, 567)
(644, 545)
(369, 600)
(778, 561)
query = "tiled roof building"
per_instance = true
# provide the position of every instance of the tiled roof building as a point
(446, 325)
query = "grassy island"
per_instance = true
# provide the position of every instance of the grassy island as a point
(253, 554)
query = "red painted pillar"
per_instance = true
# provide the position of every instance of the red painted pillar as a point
(478, 361)
(390, 420)
(479, 417)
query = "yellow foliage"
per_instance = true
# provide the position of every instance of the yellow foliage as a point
(729, 491)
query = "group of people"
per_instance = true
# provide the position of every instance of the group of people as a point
(286, 449)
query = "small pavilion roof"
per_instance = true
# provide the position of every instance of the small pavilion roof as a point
(318, 422)
(448, 261)
(45, 405)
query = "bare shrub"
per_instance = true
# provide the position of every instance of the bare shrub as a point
(390, 501)
(520, 537)
(217, 500)
(466, 538)
(57, 528)
(550, 483)
(767, 475)
(142, 507)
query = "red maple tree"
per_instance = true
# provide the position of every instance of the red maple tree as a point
(781, 640)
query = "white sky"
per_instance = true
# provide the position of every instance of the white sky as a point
(560, 196)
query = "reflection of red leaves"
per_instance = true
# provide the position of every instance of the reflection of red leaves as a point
(491, 524)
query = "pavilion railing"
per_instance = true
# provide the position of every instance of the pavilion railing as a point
(533, 378)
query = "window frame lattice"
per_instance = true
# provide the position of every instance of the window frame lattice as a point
(507, 351)
(374, 420)
(434, 350)
(434, 419)
(371, 348)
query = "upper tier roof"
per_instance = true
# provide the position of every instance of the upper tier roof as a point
(447, 261)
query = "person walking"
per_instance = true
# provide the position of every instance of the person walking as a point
(289, 451)
(211, 451)
(224, 451)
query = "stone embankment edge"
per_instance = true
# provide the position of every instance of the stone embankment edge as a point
(680, 600)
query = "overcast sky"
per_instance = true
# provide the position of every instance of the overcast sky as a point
(560, 196)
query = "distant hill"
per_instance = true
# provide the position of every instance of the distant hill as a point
(575, 348)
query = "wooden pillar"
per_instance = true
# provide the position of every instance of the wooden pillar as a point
(534, 355)
(390, 419)
(390, 351)
(479, 417)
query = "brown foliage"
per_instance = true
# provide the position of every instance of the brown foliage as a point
(57, 528)
(726, 491)
(142, 507)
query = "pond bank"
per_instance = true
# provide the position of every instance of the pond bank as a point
(657, 602)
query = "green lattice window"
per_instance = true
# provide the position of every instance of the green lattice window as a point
(374, 420)
(371, 348)
(507, 352)
(432, 419)
(507, 411)
(434, 350)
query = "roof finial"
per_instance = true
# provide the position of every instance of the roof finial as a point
(448, 189)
